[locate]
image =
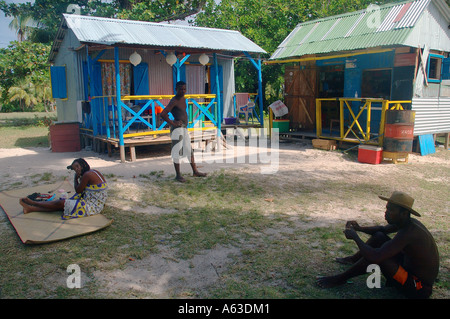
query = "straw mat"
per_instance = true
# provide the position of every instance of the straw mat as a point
(43, 227)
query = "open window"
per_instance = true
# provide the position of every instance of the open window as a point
(434, 68)
(376, 84)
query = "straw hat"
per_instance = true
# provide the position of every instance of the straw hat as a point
(401, 199)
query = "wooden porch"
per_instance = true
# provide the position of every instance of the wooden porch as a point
(101, 143)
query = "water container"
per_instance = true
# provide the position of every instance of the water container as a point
(399, 131)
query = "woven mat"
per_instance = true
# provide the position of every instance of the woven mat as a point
(43, 227)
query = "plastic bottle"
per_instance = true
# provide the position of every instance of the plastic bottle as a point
(62, 194)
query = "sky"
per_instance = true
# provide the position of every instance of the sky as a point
(7, 35)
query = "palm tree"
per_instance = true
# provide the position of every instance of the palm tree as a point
(25, 93)
(21, 25)
(44, 95)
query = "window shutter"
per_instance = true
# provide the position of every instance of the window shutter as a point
(140, 80)
(446, 69)
(58, 82)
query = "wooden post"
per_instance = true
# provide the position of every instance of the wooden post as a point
(318, 118)
(133, 153)
(270, 122)
(122, 153)
(447, 138)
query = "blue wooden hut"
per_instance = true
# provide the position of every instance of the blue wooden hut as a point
(115, 76)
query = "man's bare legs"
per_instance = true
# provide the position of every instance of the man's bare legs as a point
(35, 206)
(178, 176)
(359, 265)
(195, 171)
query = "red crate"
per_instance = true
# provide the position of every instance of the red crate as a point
(370, 154)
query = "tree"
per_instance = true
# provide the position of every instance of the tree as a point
(25, 93)
(49, 12)
(158, 11)
(21, 25)
(20, 63)
(266, 23)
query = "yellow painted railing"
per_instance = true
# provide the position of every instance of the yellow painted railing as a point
(354, 131)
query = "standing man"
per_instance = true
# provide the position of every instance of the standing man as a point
(181, 140)
(409, 261)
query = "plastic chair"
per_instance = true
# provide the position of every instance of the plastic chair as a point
(247, 111)
(240, 100)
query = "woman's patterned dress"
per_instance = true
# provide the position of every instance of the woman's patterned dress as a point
(90, 202)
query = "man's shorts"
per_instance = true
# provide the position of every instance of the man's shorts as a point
(181, 143)
(410, 285)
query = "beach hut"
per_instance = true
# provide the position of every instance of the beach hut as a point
(111, 78)
(344, 72)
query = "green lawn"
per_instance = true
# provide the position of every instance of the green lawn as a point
(25, 129)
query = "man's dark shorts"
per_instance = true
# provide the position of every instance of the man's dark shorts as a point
(410, 285)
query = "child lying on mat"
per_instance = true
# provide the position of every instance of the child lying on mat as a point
(90, 198)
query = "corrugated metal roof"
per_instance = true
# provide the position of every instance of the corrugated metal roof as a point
(89, 29)
(373, 27)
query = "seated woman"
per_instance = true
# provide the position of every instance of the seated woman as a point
(91, 188)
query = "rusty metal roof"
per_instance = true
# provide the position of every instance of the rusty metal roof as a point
(376, 26)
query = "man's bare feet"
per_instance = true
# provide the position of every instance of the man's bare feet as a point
(198, 174)
(180, 179)
(330, 281)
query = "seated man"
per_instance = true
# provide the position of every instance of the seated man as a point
(410, 260)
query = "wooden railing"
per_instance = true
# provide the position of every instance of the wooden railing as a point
(353, 128)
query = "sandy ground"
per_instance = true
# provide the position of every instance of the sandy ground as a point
(162, 275)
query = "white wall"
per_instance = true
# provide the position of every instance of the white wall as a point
(432, 30)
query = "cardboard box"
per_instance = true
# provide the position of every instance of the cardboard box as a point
(370, 154)
(328, 145)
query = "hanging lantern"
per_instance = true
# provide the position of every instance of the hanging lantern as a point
(135, 58)
(203, 59)
(171, 59)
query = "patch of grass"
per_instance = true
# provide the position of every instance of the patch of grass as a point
(219, 190)
(24, 268)
(287, 268)
(26, 118)
(24, 136)
(25, 129)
